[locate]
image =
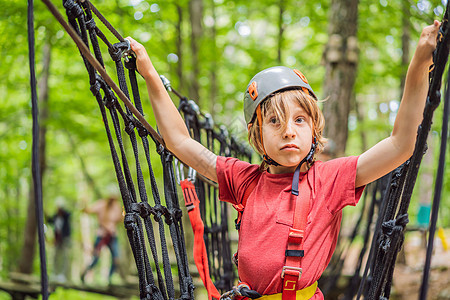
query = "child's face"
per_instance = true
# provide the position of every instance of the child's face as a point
(289, 146)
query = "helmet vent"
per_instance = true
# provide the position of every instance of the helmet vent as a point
(253, 91)
(300, 74)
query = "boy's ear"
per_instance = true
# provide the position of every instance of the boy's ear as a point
(249, 125)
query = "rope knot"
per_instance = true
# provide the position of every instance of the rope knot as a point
(95, 88)
(130, 221)
(158, 211)
(143, 209)
(151, 289)
(117, 49)
(176, 214)
(130, 125)
(109, 100)
(73, 9)
(141, 129)
(90, 24)
(391, 228)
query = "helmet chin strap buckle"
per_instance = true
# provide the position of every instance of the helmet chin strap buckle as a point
(270, 161)
(310, 156)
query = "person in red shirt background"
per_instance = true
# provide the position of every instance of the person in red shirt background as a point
(292, 202)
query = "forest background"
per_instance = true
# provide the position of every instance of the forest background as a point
(354, 53)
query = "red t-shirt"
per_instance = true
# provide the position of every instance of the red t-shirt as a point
(269, 214)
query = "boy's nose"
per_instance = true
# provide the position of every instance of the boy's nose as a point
(289, 132)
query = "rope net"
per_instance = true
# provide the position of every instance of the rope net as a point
(391, 195)
(159, 217)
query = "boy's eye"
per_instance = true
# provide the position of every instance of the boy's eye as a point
(300, 120)
(273, 120)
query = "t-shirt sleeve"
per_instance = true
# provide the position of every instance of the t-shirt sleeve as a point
(234, 176)
(337, 180)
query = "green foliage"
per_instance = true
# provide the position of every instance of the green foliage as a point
(245, 41)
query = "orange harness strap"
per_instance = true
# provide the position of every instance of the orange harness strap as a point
(200, 256)
(292, 270)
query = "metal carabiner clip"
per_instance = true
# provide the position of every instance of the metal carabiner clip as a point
(192, 174)
(127, 53)
(179, 170)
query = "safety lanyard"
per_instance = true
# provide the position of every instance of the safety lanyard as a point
(192, 205)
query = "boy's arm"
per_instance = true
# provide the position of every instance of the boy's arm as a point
(396, 149)
(169, 121)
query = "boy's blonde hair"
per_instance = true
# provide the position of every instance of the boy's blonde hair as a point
(277, 104)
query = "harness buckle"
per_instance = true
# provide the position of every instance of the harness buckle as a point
(295, 235)
(293, 271)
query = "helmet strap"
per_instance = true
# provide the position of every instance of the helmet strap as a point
(309, 159)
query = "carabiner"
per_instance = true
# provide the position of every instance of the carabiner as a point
(128, 52)
(179, 170)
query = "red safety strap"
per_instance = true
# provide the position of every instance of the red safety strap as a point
(200, 255)
(292, 270)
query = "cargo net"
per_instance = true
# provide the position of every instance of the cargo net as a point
(160, 217)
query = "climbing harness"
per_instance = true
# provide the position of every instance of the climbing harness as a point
(303, 294)
(262, 86)
(292, 271)
(241, 291)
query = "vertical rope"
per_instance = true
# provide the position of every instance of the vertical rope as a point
(437, 194)
(37, 180)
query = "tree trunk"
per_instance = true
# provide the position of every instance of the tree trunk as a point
(29, 246)
(341, 58)
(213, 71)
(360, 119)
(282, 5)
(180, 47)
(196, 17)
(406, 38)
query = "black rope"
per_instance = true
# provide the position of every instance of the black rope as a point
(390, 232)
(36, 168)
(437, 194)
(85, 33)
(378, 190)
(82, 21)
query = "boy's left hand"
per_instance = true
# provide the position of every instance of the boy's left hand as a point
(427, 44)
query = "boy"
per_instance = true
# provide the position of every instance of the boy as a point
(285, 126)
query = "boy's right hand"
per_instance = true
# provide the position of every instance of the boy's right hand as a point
(143, 63)
(427, 44)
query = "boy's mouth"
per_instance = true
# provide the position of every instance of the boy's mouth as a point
(289, 147)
